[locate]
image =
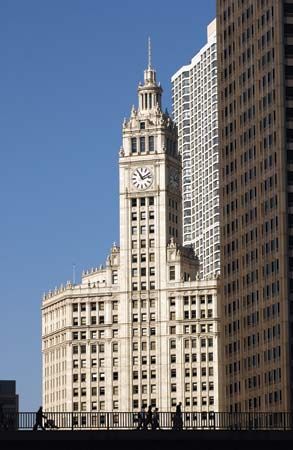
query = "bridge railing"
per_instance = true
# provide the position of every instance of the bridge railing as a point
(167, 421)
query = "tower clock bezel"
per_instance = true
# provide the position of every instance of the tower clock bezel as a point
(142, 178)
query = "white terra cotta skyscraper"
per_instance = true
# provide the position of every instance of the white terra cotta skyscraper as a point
(195, 109)
(143, 329)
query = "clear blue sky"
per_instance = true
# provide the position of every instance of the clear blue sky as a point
(69, 74)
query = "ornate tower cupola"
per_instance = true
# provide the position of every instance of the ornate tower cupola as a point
(149, 93)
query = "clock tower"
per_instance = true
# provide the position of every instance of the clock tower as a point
(143, 329)
(151, 252)
(150, 189)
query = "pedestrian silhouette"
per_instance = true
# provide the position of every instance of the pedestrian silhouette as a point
(142, 419)
(39, 420)
(177, 420)
(156, 420)
(149, 417)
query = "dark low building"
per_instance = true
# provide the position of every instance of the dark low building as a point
(8, 403)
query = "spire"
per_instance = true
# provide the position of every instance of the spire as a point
(150, 92)
(150, 73)
(149, 54)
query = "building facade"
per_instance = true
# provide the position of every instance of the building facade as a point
(195, 109)
(144, 328)
(255, 77)
(8, 397)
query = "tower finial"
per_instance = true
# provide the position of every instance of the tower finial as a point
(149, 53)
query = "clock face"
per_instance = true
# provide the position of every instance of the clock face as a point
(174, 179)
(142, 178)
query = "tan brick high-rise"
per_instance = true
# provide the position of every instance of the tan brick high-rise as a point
(255, 54)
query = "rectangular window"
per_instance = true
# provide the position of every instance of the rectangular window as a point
(172, 359)
(133, 145)
(172, 301)
(143, 229)
(173, 373)
(102, 348)
(115, 306)
(75, 377)
(93, 320)
(115, 347)
(114, 277)
(172, 273)
(83, 349)
(151, 144)
(102, 406)
(142, 144)
(94, 376)
(115, 390)
(83, 321)
(173, 343)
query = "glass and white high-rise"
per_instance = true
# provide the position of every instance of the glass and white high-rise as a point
(194, 91)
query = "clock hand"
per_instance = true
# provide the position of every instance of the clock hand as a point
(146, 176)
